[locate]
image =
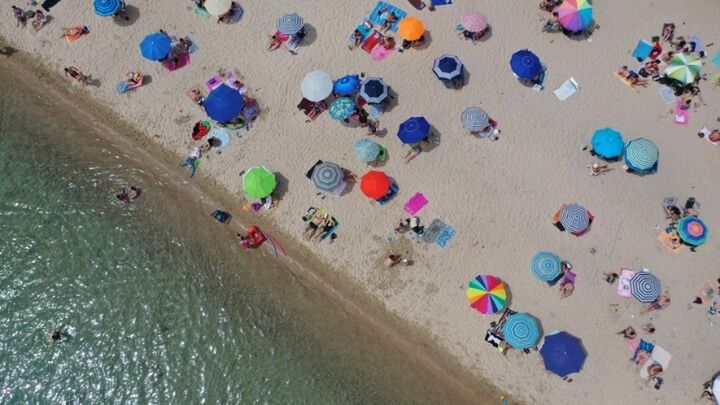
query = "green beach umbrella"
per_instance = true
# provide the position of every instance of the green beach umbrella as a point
(259, 182)
(683, 68)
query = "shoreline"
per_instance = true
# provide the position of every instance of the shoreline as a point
(398, 334)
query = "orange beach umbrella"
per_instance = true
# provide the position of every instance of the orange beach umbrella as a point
(375, 184)
(410, 28)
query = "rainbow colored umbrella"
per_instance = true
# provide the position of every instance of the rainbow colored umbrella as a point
(487, 294)
(692, 230)
(683, 68)
(575, 15)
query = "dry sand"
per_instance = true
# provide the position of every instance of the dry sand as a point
(498, 196)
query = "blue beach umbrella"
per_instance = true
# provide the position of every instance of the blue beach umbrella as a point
(525, 64)
(574, 218)
(341, 108)
(645, 287)
(374, 90)
(641, 155)
(224, 103)
(107, 8)
(290, 24)
(413, 130)
(563, 354)
(346, 85)
(366, 150)
(608, 143)
(447, 67)
(546, 266)
(155, 46)
(521, 330)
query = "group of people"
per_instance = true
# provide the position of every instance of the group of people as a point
(37, 18)
(320, 226)
(293, 41)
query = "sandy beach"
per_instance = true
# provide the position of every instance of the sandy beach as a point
(498, 196)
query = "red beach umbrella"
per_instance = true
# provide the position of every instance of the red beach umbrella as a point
(375, 184)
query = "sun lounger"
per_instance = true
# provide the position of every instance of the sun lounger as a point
(415, 203)
(567, 89)
(375, 18)
(681, 116)
(623, 288)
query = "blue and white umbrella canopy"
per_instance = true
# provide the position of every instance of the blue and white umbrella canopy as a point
(366, 150)
(447, 67)
(290, 24)
(546, 266)
(224, 103)
(475, 119)
(575, 218)
(525, 64)
(107, 8)
(608, 143)
(327, 176)
(342, 108)
(374, 90)
(645, 287)
(641, 155)
(413, 130)
(563, 353)
(521, 330)
(155, 46)
(346, 85)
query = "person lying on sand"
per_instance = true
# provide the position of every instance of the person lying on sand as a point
(631, 77)
(75, 73)
(19, 15)
(662, 302)
(610, 277)
(597, 169)
(628, 333)
(416, 149)
(74, 31)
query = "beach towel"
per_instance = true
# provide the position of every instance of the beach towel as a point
(214, 82)
(335, 226)
(431, 232)
(73, 38)
(642, 50)
(682, 117)
(230, 80)
(567, 89)
(705, 132)
(201, 12)
(716, 59)
(122, 87)
(183, 60)
(193, 46)
(623, 288)
(311, 109)
(659, 356)
(365, 29)
(379, 53)
(441, 2)
(667, 95)
(220, 134)
(415, 203)
(371, 41)
(643, 345)
(445, 236)
(666, 240)
(377, 18)
(389, 196)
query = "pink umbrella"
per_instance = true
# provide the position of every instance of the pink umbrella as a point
(474, 22)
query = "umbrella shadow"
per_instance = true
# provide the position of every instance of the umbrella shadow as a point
(95, 82)
(426, 42)
(147, 79)
(281, 187)
(488, 34)
(311, 35)
(434, 137)
(466, 78)
(127, 17)
(393, 100)
(48, 4)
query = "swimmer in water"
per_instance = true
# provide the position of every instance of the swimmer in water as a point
(57, 335)
(126, 196)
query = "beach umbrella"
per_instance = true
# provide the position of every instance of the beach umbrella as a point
(641, 155)
(366, 150)
(374, 90)
(259, 182)
(155, 46)
(107, 8)
(316, 86)
(525, 64)
(563, 353)
(486, 294)
(608, 143)
(346, 85)
(447, 67)
(475, 119)
(716, 387)
(575, 15)
(692, 230)
(410, 28)
(223, 103)
(474, 22)
(546, 266)
(413, 130)
(327, 176)
(521, 330)
(644, 286)
(290, 24)
(375, 184)
(342, 108)
(217, 7)
(683, 68)
(574, 218)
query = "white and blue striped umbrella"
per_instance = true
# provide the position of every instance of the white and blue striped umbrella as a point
(290, 24)
(641, 155)
(546, 266)
(521, 330)
(327, 176)
(475, 119)
(574, 218)
(645, 287)
(374, 90)
(447, 67)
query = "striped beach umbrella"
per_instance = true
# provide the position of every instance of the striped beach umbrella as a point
(366, 150)
(259, 182)
(327, 176)
(217, 7)
(525, 64)
(486, 294)
(346, 85)
(608, 143)
(575, 218)
(155, 46)
(546, 266)
(316, 86)
(692, 230)
(641, 155)
(575, 15)
(375, 184)
(521, 330)
(563, 353)
(645, 287)
(475, 119)
(107, 8)
(447, 67)
(410, 29)
(474, 22)
(413, 130)
(341, 108)
(374, 90)
(290, 24)
(683, 68)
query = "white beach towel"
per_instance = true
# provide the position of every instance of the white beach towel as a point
(567, 89)
(658, 355)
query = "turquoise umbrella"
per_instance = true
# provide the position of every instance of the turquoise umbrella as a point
(608, 143)
(521, 330)
(342, 108)
(366, 150)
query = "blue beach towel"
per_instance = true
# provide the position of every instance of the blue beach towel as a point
(122, 87)
(374, 16)
(364, 30)
(193, 46)
(642, 50)
(445, 236)
(716, 59)
(335, 221)
(392, 193)
(441, 2)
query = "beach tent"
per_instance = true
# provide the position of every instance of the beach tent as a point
(575, 15)
(575, 218)
(259, 182)
(366, 150)
(525, 64)
(217, 7)
(375, 184)
(563, 353)
(521, 330)
(645, 287)
(608, 143)
(546, 266)
(316, 86)
(474, 22)
(155, 46)
(223, 103)
(346, 85)
(413, 130)
(475, 119)
(290, 24)
(374, 90)
(327, 176)
(410, 29)
(107, 8)
(486, 294)
(641, 155)
(447, 67)
(342, 108)
(692, 230)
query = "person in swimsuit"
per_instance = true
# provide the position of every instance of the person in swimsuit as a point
(75, 73)
(628, 333)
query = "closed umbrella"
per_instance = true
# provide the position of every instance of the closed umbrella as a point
(413, 130)
(107, 8)
(366, 150)
(346, 85)
(475, 119)
(327, 176)
(374, 90)
(259, 182)
(223, 103)
(645, 287)
(546, 266)
(290, 24)
(487, 294)
(342, 108)
(375, 184)
(474, 22)
(521, 330)
(683, 68)
(641, 155)
(155, 46)
(692, 230)
(575, 15)
(217, 7)
(316, 86)
(447, 67)
(575, 218)
(608, 143)
(525, 64)
(410, 29)
(563, 353)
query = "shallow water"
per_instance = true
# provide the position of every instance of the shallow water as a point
(158, 305)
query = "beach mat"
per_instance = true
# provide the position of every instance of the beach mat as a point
(183, 60)
(642, 50)
(623, 288)
(567, 89)
(193, 46)
(445, 236)
(432, 231)
(659, 356)
(681, 117)
(665, 239)
(379, 53)
(667, 95)
(441, 2)
(622, 79)
(415, 204)
(374, 16)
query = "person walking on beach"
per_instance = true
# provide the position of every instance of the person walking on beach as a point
(75, 73)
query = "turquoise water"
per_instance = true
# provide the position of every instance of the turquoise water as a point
(158, 304)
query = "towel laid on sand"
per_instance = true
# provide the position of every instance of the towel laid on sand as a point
(445, 236)
(623, 288)
(567, 89)
(682, 117)
(376, 15)
(415, 203)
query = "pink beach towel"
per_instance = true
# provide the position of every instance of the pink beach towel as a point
(379, 53)
(682, 117)
(183, 59)
(214, 82)
(415, 203)
(623, 288)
